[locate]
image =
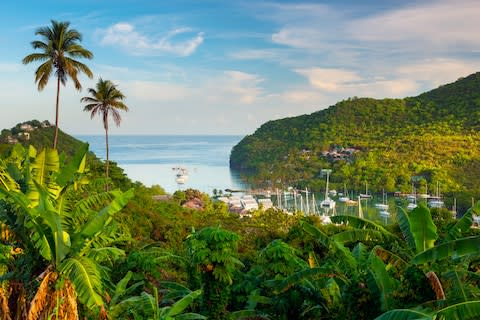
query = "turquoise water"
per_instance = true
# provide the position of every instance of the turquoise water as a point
(150, 159)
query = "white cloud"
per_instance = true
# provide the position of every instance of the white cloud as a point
(437, 71)
(444, 25)
(125, 36)
(340, 83)
(329, 79)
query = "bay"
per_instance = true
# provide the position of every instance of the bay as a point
(151, 159)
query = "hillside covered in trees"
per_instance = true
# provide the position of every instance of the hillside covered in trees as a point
(425, 139)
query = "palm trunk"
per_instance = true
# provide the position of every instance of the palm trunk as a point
(106, 144)
(55, 138)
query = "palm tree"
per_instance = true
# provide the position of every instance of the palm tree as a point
(59, 48)
(105, 99)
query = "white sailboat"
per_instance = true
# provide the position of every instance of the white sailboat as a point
(413, 200)
(182, 175)
(327, 203)
(344, 197)
(436, 202)
(365, 195)
(382, 206)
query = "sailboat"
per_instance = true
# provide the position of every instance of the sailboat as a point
(344, 197)
(365, 195)
(412, 205)
(382, 206)
(436, 202)
(181, 175)
(327, 203)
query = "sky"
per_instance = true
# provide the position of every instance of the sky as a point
(227, 67)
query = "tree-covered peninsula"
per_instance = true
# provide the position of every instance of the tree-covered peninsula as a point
(428, 140)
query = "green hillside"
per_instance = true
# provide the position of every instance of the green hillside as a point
(40, 134)
(425, 139)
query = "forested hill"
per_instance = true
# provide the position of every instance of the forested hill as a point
(431, 138)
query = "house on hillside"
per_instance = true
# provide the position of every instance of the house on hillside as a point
(26, 127)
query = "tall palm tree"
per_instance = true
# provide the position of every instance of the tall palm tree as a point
(106, 99)
(59, 48)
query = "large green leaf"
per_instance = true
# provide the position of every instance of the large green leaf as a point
(315, 232)
(6, 181)
(121, 288)
(404, 224)
(469, 310)
(75, 165)
(183, 303)
(357, 235)
(359, 223)
(99, 221)
(423, 229)
(53, 220)
(459, 290)
(464, 223)
(86, 279)
(453, 249)
(390, 258)
(43, 169)
(308, 273)
(385, 283)
(405, 314)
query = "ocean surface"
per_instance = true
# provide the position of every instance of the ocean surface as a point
(151, 159)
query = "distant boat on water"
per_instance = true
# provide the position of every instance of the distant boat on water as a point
(436, 201)
(365, 195)
(382, 206)
(344, 197)
(327, 203)
(182, 174)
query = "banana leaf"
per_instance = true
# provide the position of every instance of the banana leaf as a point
(469, 310)
(385, 283)
(404, 224)
(423, 229)
(453, 249)
(357, 235)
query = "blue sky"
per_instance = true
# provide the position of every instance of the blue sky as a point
(226, 67)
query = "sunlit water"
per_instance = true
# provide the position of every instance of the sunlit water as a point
(150, 159)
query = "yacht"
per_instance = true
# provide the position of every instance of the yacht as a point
(382, 206)
(327, 203)
(365, 195)
(412, 200)
(384, 213)
(411, 206)
(181, 175)
(436, 201)
(344, 197)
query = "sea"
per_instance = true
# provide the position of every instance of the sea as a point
(152, 159)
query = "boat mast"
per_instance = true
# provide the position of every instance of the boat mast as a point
(360, 211)
(306, 200)
(313, 204)
(295, 199)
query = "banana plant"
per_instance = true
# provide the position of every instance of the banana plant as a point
(148, 306)
(47, 219)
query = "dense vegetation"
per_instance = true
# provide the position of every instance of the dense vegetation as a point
(70, 249)
(425, 139)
